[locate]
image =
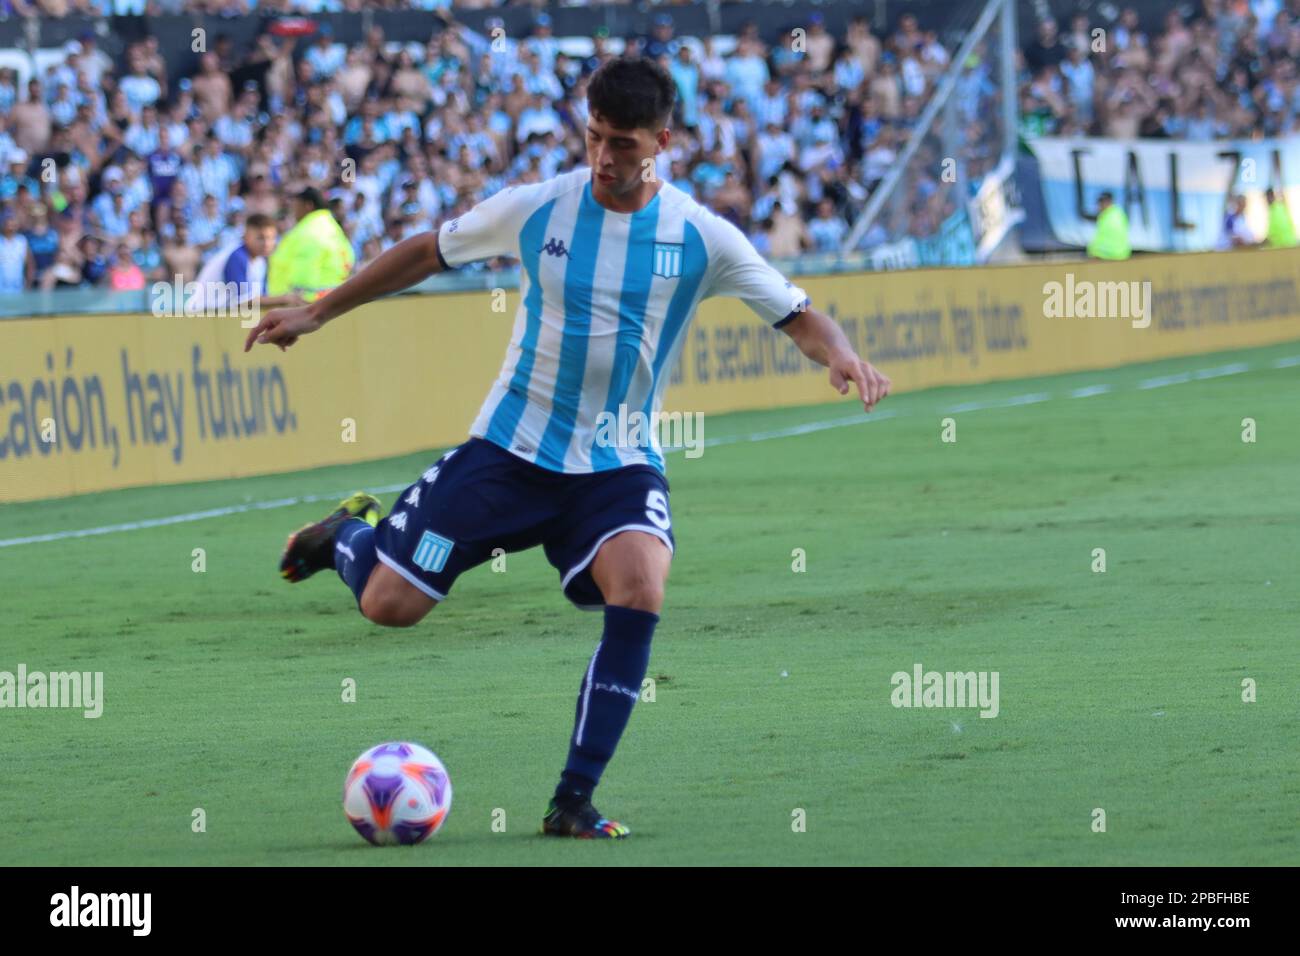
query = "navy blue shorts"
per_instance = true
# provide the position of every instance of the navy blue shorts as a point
(479, 497)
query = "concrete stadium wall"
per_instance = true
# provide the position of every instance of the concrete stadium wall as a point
(139, 400)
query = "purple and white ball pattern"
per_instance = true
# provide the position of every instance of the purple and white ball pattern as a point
(397, 793)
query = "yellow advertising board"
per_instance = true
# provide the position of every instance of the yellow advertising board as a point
(89, 403)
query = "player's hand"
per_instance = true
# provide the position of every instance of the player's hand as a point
(282, 327)
(873, 384)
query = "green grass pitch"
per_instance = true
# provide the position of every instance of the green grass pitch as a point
(1119, 690)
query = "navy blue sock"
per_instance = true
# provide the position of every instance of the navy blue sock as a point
(610, 687)
(354, 554)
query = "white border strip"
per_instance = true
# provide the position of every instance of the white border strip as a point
(648, 529)
(408, 575)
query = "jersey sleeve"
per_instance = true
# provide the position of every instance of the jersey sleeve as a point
(236, 268)
(738, 270)
(488, 230)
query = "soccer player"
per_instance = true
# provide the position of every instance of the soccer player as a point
(615, 263)
(237, 273)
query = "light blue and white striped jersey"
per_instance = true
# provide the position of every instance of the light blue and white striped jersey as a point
(606, 298)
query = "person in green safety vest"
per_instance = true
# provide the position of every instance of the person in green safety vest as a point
(1281, 227)
(1110, 241)
(315, 255)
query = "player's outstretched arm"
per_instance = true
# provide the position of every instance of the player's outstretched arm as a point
(410, 261)
(822, 340)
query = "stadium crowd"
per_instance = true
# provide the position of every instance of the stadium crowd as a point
(1228, 72)
(234, 8)
(115, 176)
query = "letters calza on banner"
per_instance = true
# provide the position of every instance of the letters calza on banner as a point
(1175, 193)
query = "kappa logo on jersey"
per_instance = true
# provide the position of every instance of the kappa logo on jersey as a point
(432, 552)
(555, 247)
(668, 259)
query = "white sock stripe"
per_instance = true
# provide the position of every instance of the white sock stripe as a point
(586, 694)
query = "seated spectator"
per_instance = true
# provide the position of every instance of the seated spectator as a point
(124, 275)
(828, 229)
(16, 265)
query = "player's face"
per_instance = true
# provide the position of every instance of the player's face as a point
(621, 160)
(265, 239)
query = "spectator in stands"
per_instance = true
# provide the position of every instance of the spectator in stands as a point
(1281, 227)
(124, 275)
(42, 241)
(1111, 239)
(820, 44)
(315, 255)
(788, 236)
(1132, 47)
(148, 256)
(17, 267)
(1081, 82)
(1047, 51)
(686, 74)
(93, 62)
(94, 263)
(827, 229)
(1236, 233)
(30, 121)
(180, 258)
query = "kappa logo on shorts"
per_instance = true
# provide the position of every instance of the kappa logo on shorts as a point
(432, 552)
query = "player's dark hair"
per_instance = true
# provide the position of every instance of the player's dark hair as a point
(258, 220)
(630, 92)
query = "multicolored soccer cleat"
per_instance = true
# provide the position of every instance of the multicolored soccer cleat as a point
(311, 548)
(581, 821)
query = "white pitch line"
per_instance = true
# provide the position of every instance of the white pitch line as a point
(1181, 378)
(1090, 390)
(805, 429)
(1032, 398)
(1163, 380)
(185, 518)
(1236, 368)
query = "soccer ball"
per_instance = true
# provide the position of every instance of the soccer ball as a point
(397, 793)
